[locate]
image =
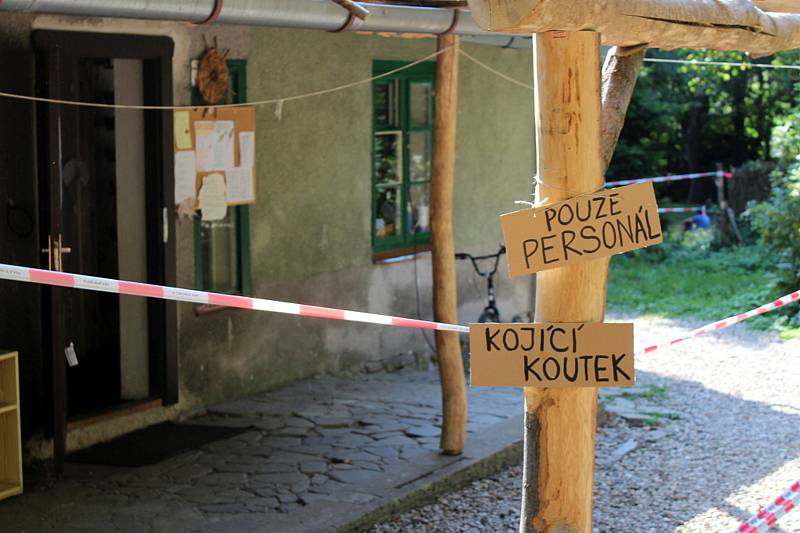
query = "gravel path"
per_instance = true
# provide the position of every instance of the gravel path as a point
(735, 446)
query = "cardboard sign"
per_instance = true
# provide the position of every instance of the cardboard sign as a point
(551, 355)
(581, 228)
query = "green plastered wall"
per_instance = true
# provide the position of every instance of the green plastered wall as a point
(310, 235)
(314, 162)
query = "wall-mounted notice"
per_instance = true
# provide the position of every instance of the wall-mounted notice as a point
(215, 145)
(551, 355)
(183, 130)
(211, 198)
(239, 186)
(185, 175)
(581, 228)
(224, 146)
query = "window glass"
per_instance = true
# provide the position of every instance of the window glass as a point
(421, 95)
(419, 208)
(386, 103)
(220, 250)
(419, 155)
(388, 158)
(222, 255)
(403, 109)
(387, 219)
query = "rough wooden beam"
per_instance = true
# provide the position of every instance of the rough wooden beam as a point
(445, 309)
(562, 421)
(779, 6)
(729, 25)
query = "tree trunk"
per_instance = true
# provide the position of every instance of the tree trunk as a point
(693, 130)
(445, 308)
(620, 70)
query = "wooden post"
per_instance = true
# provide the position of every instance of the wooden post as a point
(445, 309)
(560, 423)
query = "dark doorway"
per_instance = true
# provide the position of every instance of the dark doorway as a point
(105, 181)
(90, 229)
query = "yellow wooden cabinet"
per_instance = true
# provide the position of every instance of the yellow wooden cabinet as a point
(10, 444)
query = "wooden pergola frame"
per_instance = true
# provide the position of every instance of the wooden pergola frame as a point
(578, 121)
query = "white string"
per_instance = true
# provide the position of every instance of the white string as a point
(541, 202)
(277, 101)
(719, 63)
(496, 72)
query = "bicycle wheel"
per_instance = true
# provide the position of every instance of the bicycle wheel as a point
(489, 315)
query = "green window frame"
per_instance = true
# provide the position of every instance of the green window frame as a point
(402, 153)
(239, 214)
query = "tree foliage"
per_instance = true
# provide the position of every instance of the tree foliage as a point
(687, 117)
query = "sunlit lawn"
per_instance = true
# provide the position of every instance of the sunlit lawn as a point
(685, 282)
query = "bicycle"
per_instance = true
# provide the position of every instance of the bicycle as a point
(490, 313)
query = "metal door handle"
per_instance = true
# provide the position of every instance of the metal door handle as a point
(54, 252)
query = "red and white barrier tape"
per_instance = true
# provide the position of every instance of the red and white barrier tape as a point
(674, 177)
(766, 518)
(80, 281)
(679, 209)
(727, 322)
(92, 283)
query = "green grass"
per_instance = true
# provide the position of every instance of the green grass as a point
(680, 280)
(656, 392)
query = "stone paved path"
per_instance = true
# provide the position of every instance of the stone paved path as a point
(314, 452)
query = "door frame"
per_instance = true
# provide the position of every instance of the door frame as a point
(156, 54)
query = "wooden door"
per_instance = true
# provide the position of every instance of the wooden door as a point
(89, 226)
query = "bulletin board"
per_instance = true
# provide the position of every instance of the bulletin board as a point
(214, 159)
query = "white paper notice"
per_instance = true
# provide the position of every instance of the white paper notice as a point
(185, 175)
(240, 185)
(212, 197)
(247, 148)
(214, 142)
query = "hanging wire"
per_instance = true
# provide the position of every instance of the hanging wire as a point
(277, 101)
(719, 63)
(496, 72)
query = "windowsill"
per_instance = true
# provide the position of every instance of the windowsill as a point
(400, 254)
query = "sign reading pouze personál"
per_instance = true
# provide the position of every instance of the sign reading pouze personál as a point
(581, 228)
(551, 355)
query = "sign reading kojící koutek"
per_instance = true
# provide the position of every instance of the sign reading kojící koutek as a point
(581, 228)
(551, 355)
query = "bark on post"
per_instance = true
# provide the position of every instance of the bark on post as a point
(445, 309)
(567, 99)
(620, 71)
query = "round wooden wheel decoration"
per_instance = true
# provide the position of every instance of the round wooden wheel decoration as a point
(212, 76)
